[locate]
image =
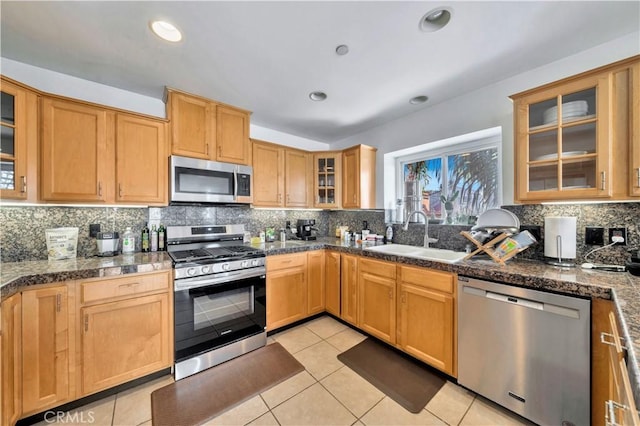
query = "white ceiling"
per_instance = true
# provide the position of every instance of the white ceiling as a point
(268, 56)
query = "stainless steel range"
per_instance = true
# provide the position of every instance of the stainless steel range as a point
(220, 296)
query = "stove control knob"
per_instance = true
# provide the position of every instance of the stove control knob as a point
(255, 262)
(225, 266)
(191, 271)
(244, 264)
(205, 269)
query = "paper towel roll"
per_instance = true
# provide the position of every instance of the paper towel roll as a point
(560, 237)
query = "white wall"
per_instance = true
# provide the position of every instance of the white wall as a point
(66, 85)
(484, 108)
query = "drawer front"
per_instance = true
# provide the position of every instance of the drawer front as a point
(379, 268)
(428, 278)
(127, 285)
(284, 261)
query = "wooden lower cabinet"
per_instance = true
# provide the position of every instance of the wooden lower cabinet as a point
(124, 340)
(11, 360)
(426, 328)
(46, 338)
(286, 289)
(332, 282)
(315, 282)
(377, 299)
(611, 395)
(349, 288)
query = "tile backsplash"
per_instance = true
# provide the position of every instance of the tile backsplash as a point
(22, 229)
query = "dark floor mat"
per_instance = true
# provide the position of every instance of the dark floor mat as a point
(198, 398)
(405, 380)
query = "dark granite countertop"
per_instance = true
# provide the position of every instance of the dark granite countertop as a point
(622, 288)
(15, 276)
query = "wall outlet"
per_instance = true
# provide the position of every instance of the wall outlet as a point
(594, 236)
(618, 232)
(94, 228)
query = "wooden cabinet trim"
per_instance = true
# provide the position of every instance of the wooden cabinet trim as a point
(427, 278)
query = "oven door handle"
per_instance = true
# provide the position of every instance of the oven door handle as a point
(221, 278)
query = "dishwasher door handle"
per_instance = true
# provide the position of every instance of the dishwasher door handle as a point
(515, 301)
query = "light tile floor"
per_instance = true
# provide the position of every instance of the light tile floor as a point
(326, 393)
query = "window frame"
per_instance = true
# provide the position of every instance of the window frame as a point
(443, 150)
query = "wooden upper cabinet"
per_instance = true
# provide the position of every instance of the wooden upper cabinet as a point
(281, 176)
(297, 177)
(569, 135)
(141, 160)
(76, 155)
(193, 125)
(359, 177)
(19, 150)
(203, 128)
(327, 179)
(634, 117)
(232, 132)
(46, 336)
(268, 174)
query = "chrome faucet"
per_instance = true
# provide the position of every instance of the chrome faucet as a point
(427, 240)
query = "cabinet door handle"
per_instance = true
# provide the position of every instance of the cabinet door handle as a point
(354, 198)
(100, 189)
(603, 180)
(58, 302)
(390, 294)
(24, 183)
(206, 149)
(403, 297)
(610, 412)
(604, 339)
(288, 198)
(279, 198)
(219, 151)
(638, 177)
(86, 323)
(120, 190)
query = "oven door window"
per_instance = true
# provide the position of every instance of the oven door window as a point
(212, 316)
(197, 181)
(212, 310)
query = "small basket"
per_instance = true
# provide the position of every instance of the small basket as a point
(62, 243)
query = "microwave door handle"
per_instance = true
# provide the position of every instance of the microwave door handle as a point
(235, 184)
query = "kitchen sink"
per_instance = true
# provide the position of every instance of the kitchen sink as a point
(438, 255)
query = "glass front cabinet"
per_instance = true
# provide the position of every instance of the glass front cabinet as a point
(327, 184)
(18, 141)
(569, 137)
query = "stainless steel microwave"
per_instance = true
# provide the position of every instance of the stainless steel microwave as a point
(197, 181)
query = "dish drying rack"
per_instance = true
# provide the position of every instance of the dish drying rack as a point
(489, 247)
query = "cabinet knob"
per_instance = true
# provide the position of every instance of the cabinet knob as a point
(638, 177)
(120, 190)
(603, 180)
(100, 189)
(24, 183)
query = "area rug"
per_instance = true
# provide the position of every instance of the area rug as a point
(403, 379)
(203, 396)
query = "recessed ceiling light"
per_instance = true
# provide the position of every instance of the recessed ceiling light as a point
(418, 100)
(166, 31)
(317, 96)
(435, 19)
(343, 49)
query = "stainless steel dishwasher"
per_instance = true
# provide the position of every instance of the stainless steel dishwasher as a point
(527, 350)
